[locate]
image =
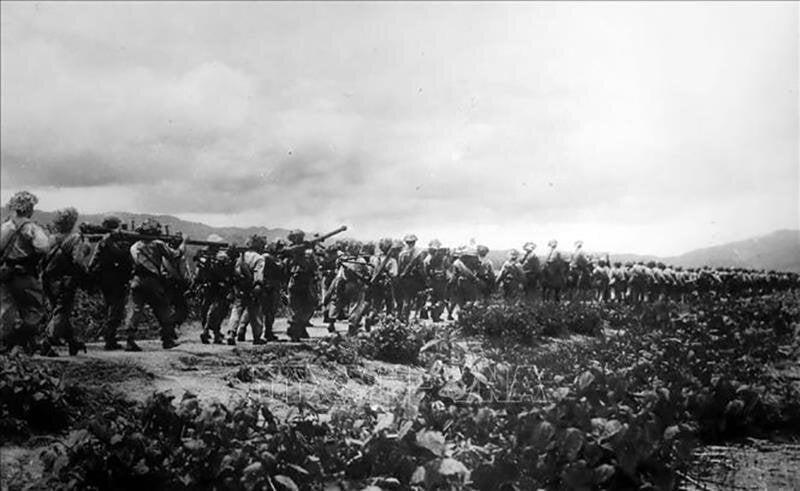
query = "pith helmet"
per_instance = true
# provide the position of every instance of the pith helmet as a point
(410, 239)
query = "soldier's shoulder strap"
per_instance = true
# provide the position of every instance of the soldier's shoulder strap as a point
(14, 235)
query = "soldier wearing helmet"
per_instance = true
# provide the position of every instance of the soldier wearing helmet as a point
(149, 284)
(303, 287)
(212, 282)
(411, 280)
(532, 272)
(248, 299)
(111, 268)
(63, 269)
(436, 265)
(23, 243)
(511, 277)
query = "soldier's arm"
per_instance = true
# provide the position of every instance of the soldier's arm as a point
(38, 237)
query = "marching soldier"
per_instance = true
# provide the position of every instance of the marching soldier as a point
(301, 288)
(274, 279)
(213, 282)
(532, 272)
(436, 266)
(148, 286)
(485, 274)
(111, 267)
(411, 279)
(511, 277)
(23, 243)
(248, 293)
(465, 281)
(63, 269)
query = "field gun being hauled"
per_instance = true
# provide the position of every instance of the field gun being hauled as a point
(93, 233)
(310, 244)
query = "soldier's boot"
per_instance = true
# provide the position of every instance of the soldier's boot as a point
(204, 337)
(269, 336)
(218, 338)
(304, 332)
(130, 345)
(331, 327)
(231, 338)
(46, 349)
(294, 332)
(112, 345)
(241, 336)
(75, 347)
(169, 339)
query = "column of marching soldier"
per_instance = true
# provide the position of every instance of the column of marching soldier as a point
(346, 280)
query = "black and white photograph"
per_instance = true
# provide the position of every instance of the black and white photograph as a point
(399, 246)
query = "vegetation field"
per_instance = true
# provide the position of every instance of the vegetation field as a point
(510, 396)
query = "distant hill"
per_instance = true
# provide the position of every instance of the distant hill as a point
(779, 250)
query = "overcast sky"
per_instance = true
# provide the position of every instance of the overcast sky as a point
(637, 127)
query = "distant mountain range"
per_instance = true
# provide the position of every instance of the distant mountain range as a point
(779, 250)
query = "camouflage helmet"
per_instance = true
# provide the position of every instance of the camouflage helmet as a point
(410, 239)
(482, 250)
(279, 244)
(513, 254)
(256, 243)
(385, 244)
(111, 222)
(354, 247)
(434, 244)
(651, 264)
(296, 236)
(65, 219)
(552, 244)
(23, 203)
(617, 264)
(149, 227)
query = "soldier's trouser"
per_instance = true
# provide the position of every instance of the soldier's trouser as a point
(437, 297)
(148, 290)
(272, 302)
(302, 303)
(407, 297)
(214, 308)
(61, 294)
(177, 298)
(464, 291)
(22, 309)
(114, 297)
(348, 295)
(246, 309)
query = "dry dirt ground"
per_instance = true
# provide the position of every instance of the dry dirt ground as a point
(287, 373)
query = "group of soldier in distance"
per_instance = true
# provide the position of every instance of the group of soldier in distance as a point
(240, 286)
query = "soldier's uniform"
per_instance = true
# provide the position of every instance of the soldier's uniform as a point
(111, 268)
(465, 282)
(601, 279)
(214, 281)
(487, 280)
(23, 243)
(531, 271)
(177, 283)
(411, 278)
(248, 300)
(303, 296)
(511, 277)
(63, 269)
(436, 265)
(274, 279)
(148, 286)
